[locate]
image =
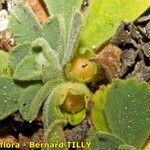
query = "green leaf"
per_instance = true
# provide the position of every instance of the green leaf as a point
(10, 91)
(41, 45)
(54, 34)
(18, 53)
(23, 24)
(73, 100)
(5, 68)
(51, 111)
(54, 134)
(126, 147)
(103, 141)
(63, 7)
(72, 41)
(127, 110)
(51, 69)
(51, 72)
(98, 111)
(26, 99)
(40, 63)
(74, 119)
(28, 69)
(31, 101)
(67, 101)
(104, 16)
(28, 28)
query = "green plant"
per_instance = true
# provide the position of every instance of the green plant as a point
(126, 147)
(42, 63)
(98, 110)
(103, 18)
(10, 93)
(104, 141)
(123, 109)
(127, 111)
(5, 68)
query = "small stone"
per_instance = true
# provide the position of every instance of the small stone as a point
(147, 145)
(148, 30)
(141, 72)
(11, 4)
(146, 49)
(122, 36)
(135, 34)
(109, 59)
(128, 57)
(144, 19)
(38, 136)
(3, 20)
(78, 133)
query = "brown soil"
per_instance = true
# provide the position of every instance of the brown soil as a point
(7, 42)
(39, 9)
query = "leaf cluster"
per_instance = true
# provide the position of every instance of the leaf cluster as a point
(122, 109)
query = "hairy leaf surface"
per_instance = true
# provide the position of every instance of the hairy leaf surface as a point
(68, 101)
(98, 110)
(18, 53)
(28, 70)
(32, 99)
(127, 110)
(72, 41)
(63, 7)
(54, 34)
(54, 133)
(24, 24)
(5, 67)
(104, 16)
(26, 99)
(28, 28)
(103, 141)
(10, 91)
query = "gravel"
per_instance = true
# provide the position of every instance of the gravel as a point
(5, 7)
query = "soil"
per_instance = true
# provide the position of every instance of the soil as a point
(109, 60)
(134, 40)
(39, 9)
(7, 41)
